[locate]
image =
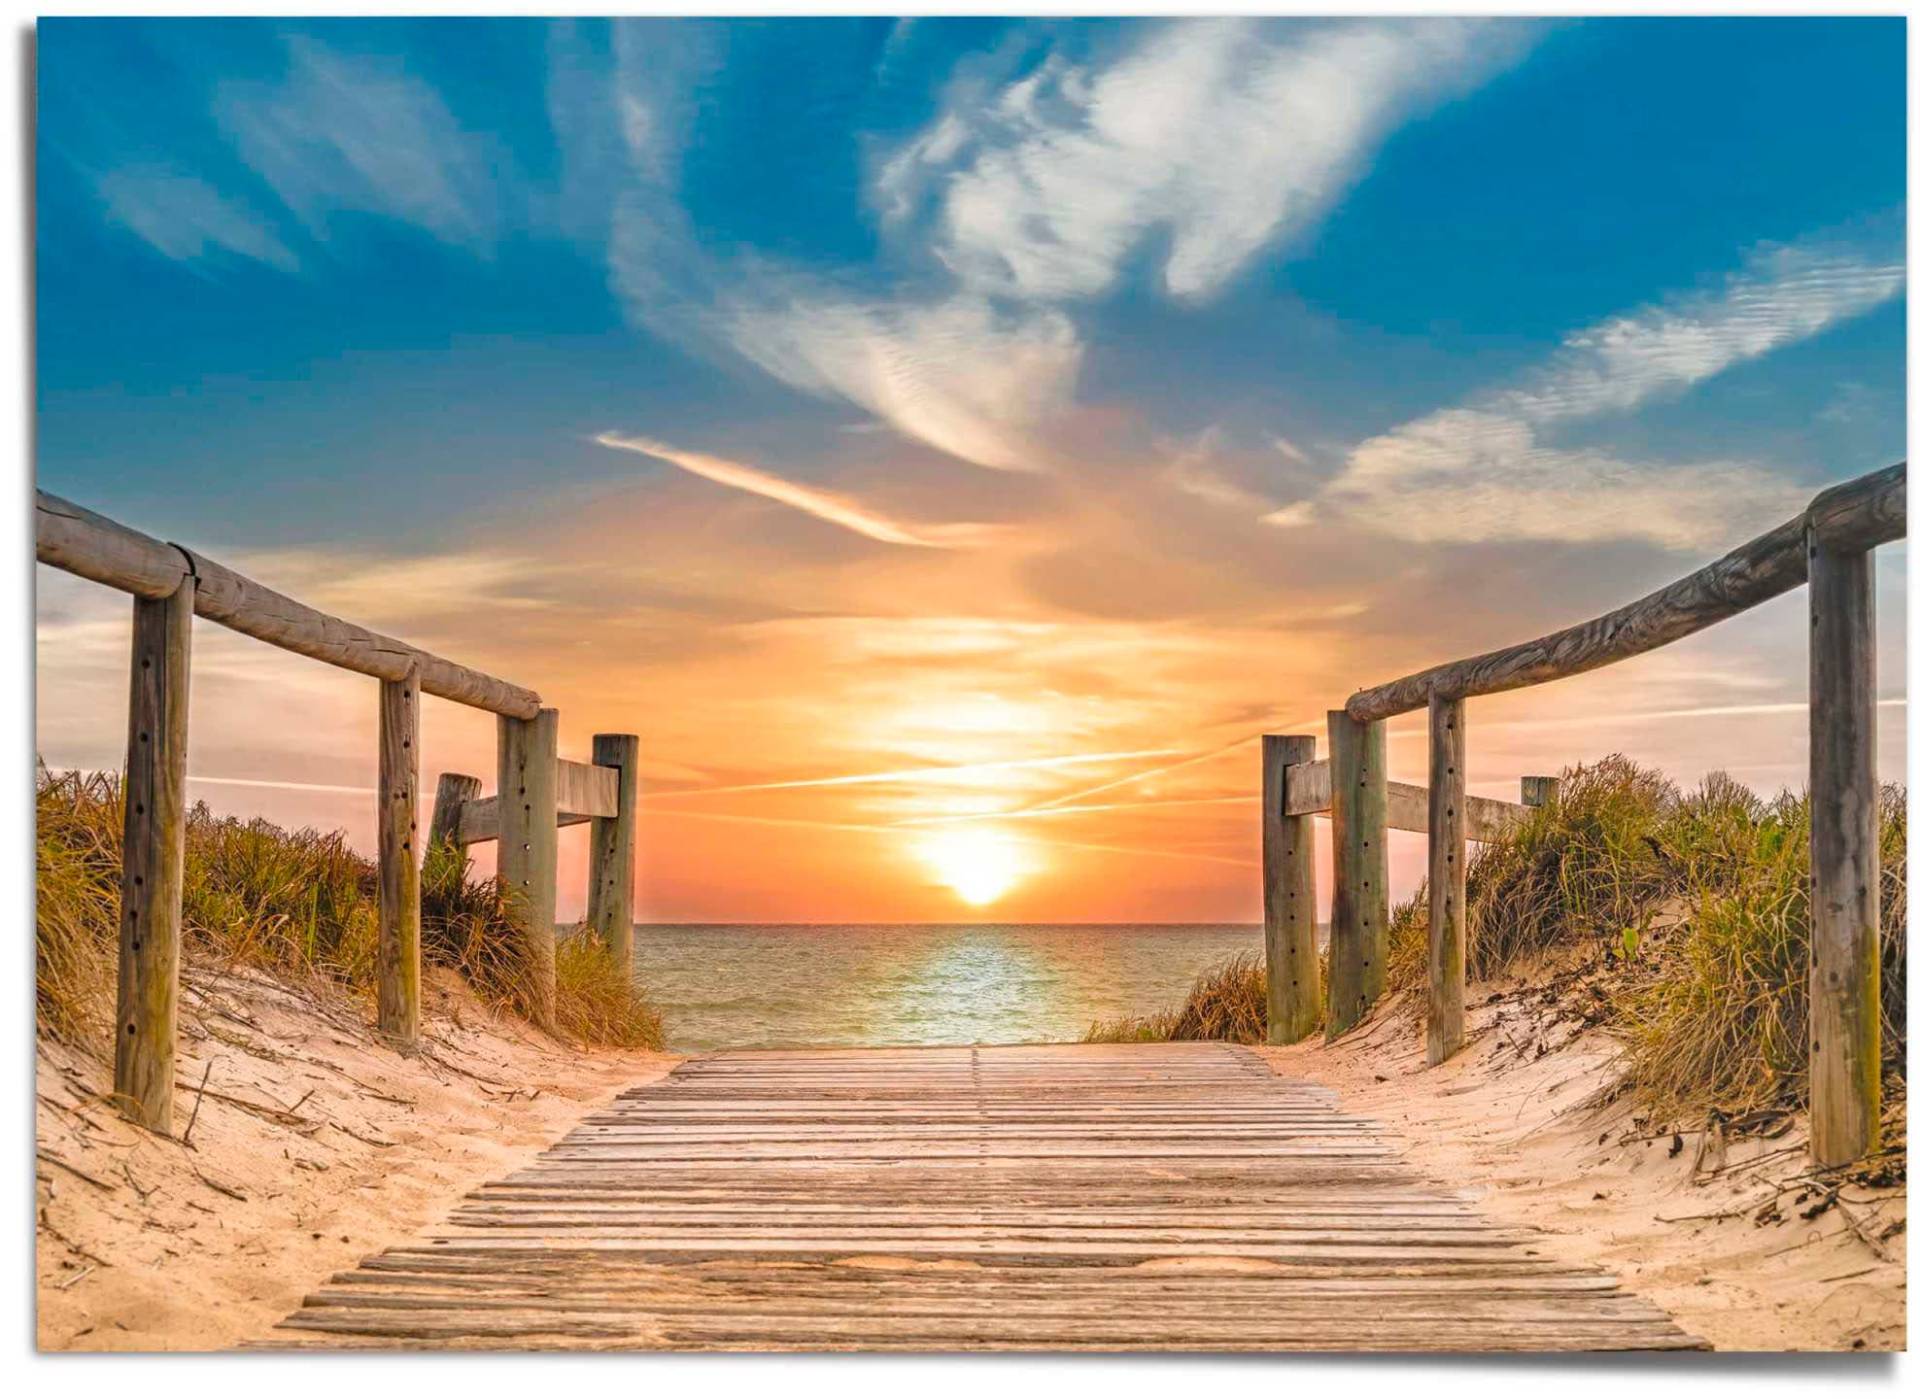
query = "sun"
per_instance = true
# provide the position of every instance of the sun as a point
(978, 865)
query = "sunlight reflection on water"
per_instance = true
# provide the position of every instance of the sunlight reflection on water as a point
(742, 985)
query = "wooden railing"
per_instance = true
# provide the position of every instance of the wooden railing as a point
(539, 791)
(1829, 546)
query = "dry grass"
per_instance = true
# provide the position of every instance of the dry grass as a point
(298, 903)
(1227, 1003)
(1693, 909)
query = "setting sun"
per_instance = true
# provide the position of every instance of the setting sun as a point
(977, 865)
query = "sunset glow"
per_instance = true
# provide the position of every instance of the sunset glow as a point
(950, 458)
(978, 865)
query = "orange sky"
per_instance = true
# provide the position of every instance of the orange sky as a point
(1056, 727)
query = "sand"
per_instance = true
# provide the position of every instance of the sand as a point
(1526, 1119)
(314, 1146)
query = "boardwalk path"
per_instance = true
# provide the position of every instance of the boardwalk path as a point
(1083, 1196)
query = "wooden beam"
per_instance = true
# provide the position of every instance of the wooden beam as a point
(585, 789)
(1446, 878)
(92, 546)
(1357, 939)
(1538, 791)
(398, 955)
(1286, 864)
(454, 792)
(1844, 997)
(614, 843)
(153, 857)
(1853, 517)
(1310, 793)
(529, 845)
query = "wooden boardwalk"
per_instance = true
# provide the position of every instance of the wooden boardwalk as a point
(1123, 1197)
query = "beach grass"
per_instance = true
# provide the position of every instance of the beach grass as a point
(295, 903)
(1691, 908)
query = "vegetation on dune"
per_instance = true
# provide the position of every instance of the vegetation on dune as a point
(299, 903)
(1694, 907)
(1226, 1003)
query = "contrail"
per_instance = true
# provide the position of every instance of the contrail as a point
(286, 786)
(916, 774)
(1035, 812)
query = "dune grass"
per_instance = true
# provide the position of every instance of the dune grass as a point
(299, 903)
(1693, 907)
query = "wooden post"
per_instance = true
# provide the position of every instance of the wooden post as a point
(1446, 877)
(1844, 1018)
(153, 857)
(614, 843)
(399, 824)
(1286, 867)
(1357, 940)
(529, 844)
(454, 791)
(1539, 791)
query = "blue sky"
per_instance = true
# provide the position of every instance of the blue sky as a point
(1208, 338)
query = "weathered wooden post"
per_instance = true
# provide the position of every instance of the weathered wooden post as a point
(454, 791)
(529, 844)
(1844, 1020)
(615, 840)
(399, 951)
(1446, 877)
(1539, 791)
(153, 857)
(1286, 867)
(1357, 939)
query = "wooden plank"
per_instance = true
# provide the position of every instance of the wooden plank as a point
(1286, 864)
(614, 845)
(586, 790)
(1279, 1241)
(1844, 813)
(92, 546)
(529, 844)
(1856, 516)
(1357, 938)
(1538, 791)
(454, 791)
(398, 954)
(153, 858)
(1310, 793)
(1446, 878)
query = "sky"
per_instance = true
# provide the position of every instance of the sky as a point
(950, 444)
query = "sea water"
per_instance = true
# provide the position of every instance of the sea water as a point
(763, 985)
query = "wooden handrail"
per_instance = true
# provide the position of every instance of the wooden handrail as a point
(539, 790)
(70, 537)
(1852, 517)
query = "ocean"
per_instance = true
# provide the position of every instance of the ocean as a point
(766, 985)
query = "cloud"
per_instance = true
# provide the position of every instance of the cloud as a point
(1221, 134)
(186, 219)
(359, 133)
(975, 382)
(1484, 471)
(822, 505)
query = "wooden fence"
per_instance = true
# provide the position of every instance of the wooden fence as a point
(538, 792)
(1829, 547)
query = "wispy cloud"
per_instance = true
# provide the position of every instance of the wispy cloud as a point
(187, 219)
(1221, 135)
(359, 133)
(822, 505)
(1482, 470)
(976, 382)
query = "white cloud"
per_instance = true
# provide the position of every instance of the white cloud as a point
(186, 219)
(1223, 133)
(1482, 471)
(359, 133)
(975, 382)
(822, 505)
